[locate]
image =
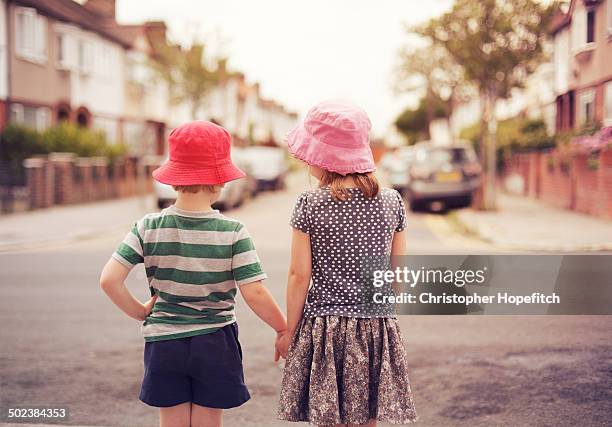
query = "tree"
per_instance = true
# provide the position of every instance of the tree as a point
(498, 43)
(433, 71)
(185, 71)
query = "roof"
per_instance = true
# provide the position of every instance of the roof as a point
(73, 12)
(561, 20)
(152, 30)
(558, 21)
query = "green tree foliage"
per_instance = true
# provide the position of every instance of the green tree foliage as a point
(414, 123)
(498, 43)
(185, 71)
(516, 134)
(19, 143)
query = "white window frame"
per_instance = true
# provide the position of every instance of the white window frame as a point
(43, 118)
(585, 97)
(30, 35)
(17, 110)
(61, 40)
(607, 121)
(579, 31)
(64, 54)
(85, 55)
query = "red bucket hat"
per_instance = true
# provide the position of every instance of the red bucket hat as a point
(199, 154)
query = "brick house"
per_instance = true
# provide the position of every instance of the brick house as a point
(61, 60)
(63, 66)
(582, 62)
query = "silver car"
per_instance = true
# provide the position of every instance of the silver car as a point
(268, 167)
(396, 165)
(447, 174)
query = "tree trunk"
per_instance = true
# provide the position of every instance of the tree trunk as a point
(490, 192)
(429, 113)
(479, 194)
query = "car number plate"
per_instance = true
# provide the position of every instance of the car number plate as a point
(454, 176)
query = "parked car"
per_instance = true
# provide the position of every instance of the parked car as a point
(396, 165)
(232, 194)
(447, 174)
(268, 166)
(164, 194)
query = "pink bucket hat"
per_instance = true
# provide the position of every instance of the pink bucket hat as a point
(335, 137)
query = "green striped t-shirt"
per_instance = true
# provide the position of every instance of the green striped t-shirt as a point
(194, 262)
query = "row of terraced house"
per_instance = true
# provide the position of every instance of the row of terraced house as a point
(66, 61)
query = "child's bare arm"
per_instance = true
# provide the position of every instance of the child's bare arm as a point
(263, 305)
(300, 271)
(112, 283)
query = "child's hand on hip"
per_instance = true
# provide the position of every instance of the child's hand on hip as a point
(147, 307)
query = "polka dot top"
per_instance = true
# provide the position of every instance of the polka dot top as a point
(344, 236)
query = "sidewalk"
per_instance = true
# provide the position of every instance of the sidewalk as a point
(64, 224)
(522, 223)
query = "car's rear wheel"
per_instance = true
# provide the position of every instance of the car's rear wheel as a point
(417, 205)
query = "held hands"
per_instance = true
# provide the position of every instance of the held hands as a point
(283, 339)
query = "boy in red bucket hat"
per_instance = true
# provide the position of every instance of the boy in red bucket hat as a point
(195, 259)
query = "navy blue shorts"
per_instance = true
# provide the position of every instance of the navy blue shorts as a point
(203, 369)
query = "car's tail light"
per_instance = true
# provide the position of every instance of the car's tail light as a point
(472, 169)
(419, 172)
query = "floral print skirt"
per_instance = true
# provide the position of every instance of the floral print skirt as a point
(342, 370)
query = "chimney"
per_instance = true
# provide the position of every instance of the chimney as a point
(103, 8)
(156, 31)
(222, 69)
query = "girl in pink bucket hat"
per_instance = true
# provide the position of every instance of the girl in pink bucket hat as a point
(346, 363)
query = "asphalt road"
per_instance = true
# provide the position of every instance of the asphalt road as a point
(63, 343)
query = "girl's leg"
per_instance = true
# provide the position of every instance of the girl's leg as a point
(202, 416)
(175, 416)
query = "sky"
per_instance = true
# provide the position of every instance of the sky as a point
(302, 52)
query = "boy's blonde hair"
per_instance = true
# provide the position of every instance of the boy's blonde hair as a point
(366, 182)
(195, 188)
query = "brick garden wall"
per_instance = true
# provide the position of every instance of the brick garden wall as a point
(62, 179)
(570, 183)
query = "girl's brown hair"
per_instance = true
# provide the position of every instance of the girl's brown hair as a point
(366, 182)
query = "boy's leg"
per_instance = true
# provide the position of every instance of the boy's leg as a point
(202, 416)
(175, 416)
